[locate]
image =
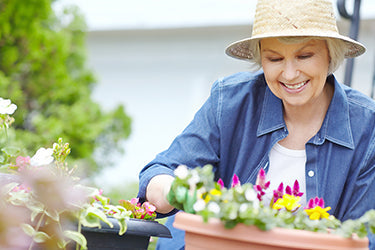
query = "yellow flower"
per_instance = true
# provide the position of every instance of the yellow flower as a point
(289, 202)
(215, 192)
(318, 213)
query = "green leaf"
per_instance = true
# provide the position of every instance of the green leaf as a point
(92, 217)
(11, 151)
(40, 237)
(123, 226)
(29, 230)
(181, 194)
(77, 237)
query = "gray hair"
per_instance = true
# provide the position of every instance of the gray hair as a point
(336, 48)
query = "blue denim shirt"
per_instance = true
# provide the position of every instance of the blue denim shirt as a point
(241, 121)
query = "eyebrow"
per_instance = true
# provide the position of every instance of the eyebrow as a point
(270, 50)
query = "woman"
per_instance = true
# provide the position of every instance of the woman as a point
(293, 119)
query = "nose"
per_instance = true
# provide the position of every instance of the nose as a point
(290, 70)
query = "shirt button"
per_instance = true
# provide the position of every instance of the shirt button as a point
(311, 173)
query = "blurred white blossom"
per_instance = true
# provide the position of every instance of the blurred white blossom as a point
(42, 157)
(213, 207)
(7, 107)
(181, 172)
(199, 205)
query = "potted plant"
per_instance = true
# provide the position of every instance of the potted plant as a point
(44, 205)
(238, 217)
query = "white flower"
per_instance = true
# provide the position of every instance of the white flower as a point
(199, 205)
(181, 172)
(194, 179)
(42, 157)
(213, 207)
(6, 107)
(243, 207)
(250, 195)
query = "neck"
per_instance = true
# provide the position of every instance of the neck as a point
(303, 122)
(314, 111)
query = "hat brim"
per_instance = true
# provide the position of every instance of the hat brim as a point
(242, 49)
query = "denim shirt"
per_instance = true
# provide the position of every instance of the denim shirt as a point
(242, 119)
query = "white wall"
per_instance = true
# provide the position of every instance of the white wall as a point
(163, 76)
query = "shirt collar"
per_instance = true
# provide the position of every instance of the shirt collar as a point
(272, 119)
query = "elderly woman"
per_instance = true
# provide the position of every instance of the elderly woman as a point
(293, 119)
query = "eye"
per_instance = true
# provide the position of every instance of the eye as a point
(304, 56)
(275, 59)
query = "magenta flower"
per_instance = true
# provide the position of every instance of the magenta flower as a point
(278, 193)
(296, 191)
(235, 181)
(221, 183)
(314, 202)
(261, 184)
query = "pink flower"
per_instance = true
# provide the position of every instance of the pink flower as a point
(22, 187)
(22, 162)
(261, 184)
(278, 193)
(135, 201)
(314, 202)
(235, 181)
(296, 191)
(150, 209)
(99, 194)
(221, 183)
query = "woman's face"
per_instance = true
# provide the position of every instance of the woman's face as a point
(297, 72)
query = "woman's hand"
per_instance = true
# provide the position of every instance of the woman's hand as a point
(157, 191)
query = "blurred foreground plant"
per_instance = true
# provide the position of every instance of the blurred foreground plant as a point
(43, 203)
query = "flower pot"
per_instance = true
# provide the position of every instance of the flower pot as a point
(137, 235)
(213, 235)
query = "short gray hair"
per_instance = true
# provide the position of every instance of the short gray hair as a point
(336, 49)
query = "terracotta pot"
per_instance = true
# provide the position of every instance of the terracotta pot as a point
(213, 235)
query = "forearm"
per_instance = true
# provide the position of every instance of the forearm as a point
(157, 191)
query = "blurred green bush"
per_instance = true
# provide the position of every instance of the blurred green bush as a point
(43, 70)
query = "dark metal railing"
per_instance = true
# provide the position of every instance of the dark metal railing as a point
(353, 33)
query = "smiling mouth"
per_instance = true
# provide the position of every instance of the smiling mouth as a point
(295, 86)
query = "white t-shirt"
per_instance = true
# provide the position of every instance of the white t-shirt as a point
(286, 166)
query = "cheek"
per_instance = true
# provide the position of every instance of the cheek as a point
(271, 71)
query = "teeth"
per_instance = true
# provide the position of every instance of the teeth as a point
(295, 86)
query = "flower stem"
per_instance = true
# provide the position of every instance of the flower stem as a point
(37, 228)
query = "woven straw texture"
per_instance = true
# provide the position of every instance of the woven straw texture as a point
(280, 18)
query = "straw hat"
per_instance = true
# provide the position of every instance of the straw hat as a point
(281, 18)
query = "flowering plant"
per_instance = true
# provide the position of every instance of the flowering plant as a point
(43, 202)
(195, 191)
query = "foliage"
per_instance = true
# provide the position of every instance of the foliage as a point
(43, 202)
(43, 69)
(195, 191)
